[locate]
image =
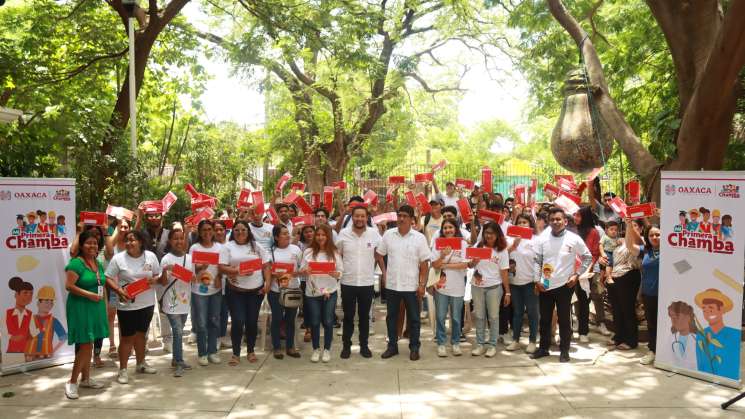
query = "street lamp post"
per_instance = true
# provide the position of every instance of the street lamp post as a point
(129, 5)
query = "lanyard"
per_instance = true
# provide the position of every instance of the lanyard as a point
(96, 271)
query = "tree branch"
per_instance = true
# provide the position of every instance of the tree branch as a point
(432, 90)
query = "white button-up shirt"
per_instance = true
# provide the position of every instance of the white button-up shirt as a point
(358, 252)
(404, 255)
(556, 258)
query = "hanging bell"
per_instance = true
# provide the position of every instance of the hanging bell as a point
(580, 140)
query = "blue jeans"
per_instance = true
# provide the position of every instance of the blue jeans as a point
(321, 310)
(411, 303)
(224, 313)
(486, 303)
(455, 304)
(177, 322)
(244, 310)
(280, 313)
(524, 298)
(205, 312)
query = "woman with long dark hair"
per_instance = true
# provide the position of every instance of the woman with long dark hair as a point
(206, 296)
(522, 286)
(450, 288)
(284, 252)
(584, 220)
(625, 286)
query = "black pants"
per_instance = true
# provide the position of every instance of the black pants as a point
(582, 307)
(561, 298)
(411, 302)
(505, 317)
(625, 289)
(359, 299)
(650, 313)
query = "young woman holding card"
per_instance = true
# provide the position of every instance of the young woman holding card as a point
(221, 231)
(522, 287)
(288, 255)
(135, 269)
(321, 290)
(206, 293)
(490, 281)
(450, 287)
(115, 244)
(246, 267)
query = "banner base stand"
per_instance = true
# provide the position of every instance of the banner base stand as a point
(728, 403)
(714, 379)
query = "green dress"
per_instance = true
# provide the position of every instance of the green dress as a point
(86, 319)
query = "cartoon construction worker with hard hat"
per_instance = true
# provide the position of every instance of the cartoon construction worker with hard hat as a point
(44, 327)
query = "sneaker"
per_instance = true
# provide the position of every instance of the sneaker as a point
(462, 338)
(442, 351)
(457, 351)
(339, 332)
(505, 339)
(584, 339)
(202, 360)
(192, 339)
(492, 351)
(225, 343)
(179, 371)
(515, 345)
(167, 348)
(647, 359)
(91, 383)
(214, 358)
(603, 330)
(531, 348)
(478, 350)
(326, 357)
(144, 368)
(123, 377)
(71, 391)
(316, 356)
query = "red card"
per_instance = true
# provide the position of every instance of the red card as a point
(618, 206)
(120, 212)
(202, 203)
(385, 218)
(565, 182)
(168, 201)
(290, 198)
(258, 201)
(465, 210)
(494, 216)
(273, 217)
(356, 204)
(228, 223)
(191, 191)
(478, 252)
(577, 200)
(339, 185)
(93, 218)
(283, 181)
(298, 186)
(533, 186)
(152, 207)
(423, 177)
(567, 204)
(205, 258)
(389, 194)
(439, 166)
(181, 273)
(396, 180)
(410, 199)
(581, 188)
(321, 267)
(303, 220)
(633, 188)
(520, 194)
(303, 205)
(249, 266)
(282, 267)
(454, 243)
(465, 183)
(642, 210)
(551, 188)
(517, 231)
(315, 200)
(328, 198)
(423, 203)
(486, 179)
(370, 197)
(244, 199)
(137, 287)
(204, 214)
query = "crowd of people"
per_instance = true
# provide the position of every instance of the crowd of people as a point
(220, 270)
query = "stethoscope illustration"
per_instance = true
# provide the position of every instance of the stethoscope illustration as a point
(678, 345)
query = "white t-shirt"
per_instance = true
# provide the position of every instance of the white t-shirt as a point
(127, 269)
(405, 253)
(455, 282)
(491, 269)
(432, 228)
(235, 253)
(290, 254)
(524, 257)
(262, 235)
(359, 256)
(196, 286)
(177, 300)
(320, 284)
(450, 200)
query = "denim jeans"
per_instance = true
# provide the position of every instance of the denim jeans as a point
(486, 303)
(321, 311)
(411, 303)
(205, 313)
(244, 310)
(224, 313)
(280, 313)
(455, 304)
(524, 299)
(359, 300)
(177, 322)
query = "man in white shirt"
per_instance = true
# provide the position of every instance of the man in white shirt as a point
(261, 231)
(357, 246)
(406, 277)
(450, 197)
(555, 276)
(283, 212)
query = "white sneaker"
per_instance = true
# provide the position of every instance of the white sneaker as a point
(647, 359)
(214, 358)
(603, 330)
(478, 350)
(442, 351)
(457, 351)
(91, 383)
(584, 339)
(192, 339)
(316, 356)
(491, 352)
(515, 345)
(167, 347)
(531, 348)
(202, 360)
(339, 331)
(326, 357)
(506, 338)
(71, 391)
(123, 377)
(144, 368)
(225, 342)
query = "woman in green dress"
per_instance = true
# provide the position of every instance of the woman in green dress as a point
(86, 309)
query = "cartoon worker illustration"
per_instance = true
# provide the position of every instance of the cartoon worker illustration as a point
(682, 339)
(692, 225)
(727, 231)
(18, 318)
(44, 327)
(52, 222)
(547, 270)
(42, 227)
(20, 226)
(61, 228)
(31, 225)
(705, 225)
(682, 220)
(716, 223)
(717, 346)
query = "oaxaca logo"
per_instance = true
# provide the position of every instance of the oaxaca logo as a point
(669, 190)
(62, 195)
(692, 190)
(730, 191)
(703, 229)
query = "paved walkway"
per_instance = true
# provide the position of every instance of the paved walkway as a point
(597, 384)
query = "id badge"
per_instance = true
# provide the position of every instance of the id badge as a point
(545, 283)
(100, 291)
(203, 288)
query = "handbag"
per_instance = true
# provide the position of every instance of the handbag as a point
(160, 300)
(289, 297)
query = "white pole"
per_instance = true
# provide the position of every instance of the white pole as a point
(132, 89)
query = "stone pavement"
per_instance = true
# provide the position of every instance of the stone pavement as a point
(596, 384)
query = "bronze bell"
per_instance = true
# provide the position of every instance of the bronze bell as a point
(574, 144)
